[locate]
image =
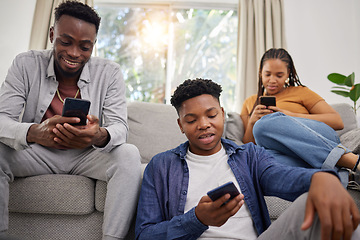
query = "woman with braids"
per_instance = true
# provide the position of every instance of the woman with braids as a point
(300, 129)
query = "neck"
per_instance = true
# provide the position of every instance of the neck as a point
(66, 79)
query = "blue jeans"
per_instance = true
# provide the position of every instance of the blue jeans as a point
(300, 142)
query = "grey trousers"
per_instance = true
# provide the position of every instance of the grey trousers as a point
(288, 225)
(120, 168)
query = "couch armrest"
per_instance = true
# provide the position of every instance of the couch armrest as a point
(351, 140)
(347, 115)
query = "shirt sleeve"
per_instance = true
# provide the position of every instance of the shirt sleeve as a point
(248, 105)
(12, 98)
(151, 222)
(114, 112)
(309, 98)
(273, 175)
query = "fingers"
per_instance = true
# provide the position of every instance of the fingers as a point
(262, 110)
(92, 119)
(309, 215)
(229, 207)
(217, 213)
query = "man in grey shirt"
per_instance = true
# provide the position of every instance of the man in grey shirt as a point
(35, 139)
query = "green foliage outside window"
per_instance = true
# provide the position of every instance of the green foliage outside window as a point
(158, 48)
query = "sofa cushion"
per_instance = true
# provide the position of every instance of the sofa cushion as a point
(52, 194)
(143, 118)
(100, 195)
(234, 128)
(56, 226)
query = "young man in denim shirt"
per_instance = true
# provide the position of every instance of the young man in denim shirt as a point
(173, 202)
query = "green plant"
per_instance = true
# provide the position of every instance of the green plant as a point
(346, 87)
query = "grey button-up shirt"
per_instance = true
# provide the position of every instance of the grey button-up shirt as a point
(31, 84)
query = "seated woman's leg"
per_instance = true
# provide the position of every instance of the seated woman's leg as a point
(299, 138)
(304, 139)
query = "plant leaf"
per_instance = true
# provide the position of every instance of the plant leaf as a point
(346, 88)
(349, 80)
(342, 93)
(337, 78)
(355, 92)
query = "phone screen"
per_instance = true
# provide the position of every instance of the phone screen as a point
(268, 101)
(74, 107)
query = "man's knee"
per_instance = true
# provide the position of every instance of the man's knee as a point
(127, 157)
(5, 153)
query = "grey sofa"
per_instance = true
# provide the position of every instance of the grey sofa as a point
(71, 207)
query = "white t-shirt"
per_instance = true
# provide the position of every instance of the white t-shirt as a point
(207, 173)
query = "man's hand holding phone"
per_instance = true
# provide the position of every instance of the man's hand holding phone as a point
(43, 133)
(82, 136)
(216, 213)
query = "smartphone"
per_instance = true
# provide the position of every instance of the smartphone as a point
(218, 192)
(268, 100)
(75, 107)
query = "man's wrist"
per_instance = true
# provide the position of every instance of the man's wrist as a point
(102, 138)
(30, 136)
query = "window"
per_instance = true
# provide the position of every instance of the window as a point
(158, 47)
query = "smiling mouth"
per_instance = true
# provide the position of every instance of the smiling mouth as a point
(71, 63)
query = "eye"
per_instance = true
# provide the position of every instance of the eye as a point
(85, 49)
(190, 122)
(64, 43)
(213, 116)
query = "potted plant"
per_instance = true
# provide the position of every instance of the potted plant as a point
(346, 87)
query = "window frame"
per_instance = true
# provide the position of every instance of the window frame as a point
(225, 5)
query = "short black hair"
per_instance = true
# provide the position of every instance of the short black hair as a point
(78, 10)
(193, 88)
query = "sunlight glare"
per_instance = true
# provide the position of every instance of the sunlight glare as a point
(154, 34)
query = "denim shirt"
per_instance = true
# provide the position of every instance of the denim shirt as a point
(160, 213)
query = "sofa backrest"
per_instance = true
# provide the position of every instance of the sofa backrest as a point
(153, 128)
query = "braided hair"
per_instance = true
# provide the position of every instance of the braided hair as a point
(284, 56)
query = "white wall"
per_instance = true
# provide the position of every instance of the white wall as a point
(323, 36)
(15, 24)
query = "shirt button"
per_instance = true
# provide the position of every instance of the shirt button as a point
(184, 192)
(51, 93)
(41, 111)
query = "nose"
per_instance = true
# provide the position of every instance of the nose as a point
(272, 79)
(73, 52)
(203, 123)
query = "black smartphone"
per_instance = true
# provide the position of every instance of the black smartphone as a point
(220, 191)
(268, 100)
(75, 107)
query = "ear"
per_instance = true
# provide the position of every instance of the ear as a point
(180, 126)
(51, 34)
(223, 114)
